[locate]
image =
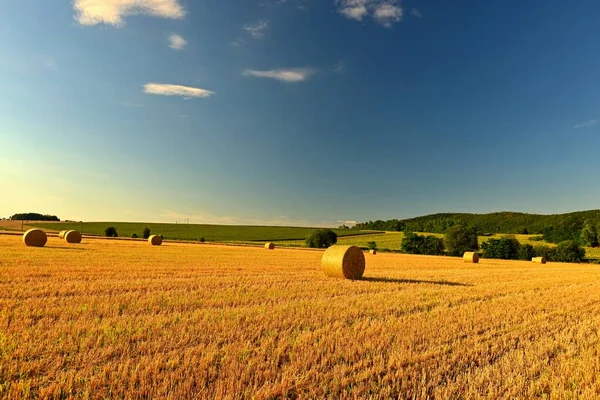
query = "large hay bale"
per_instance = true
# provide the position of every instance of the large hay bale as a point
(373, 251)
(62, 234)
(269, 246)
(471, 257)
(73, 237)
(539, 260)
(343, 262)
(155, 240)
(35, 238)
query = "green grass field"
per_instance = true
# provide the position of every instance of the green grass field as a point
(217, 233)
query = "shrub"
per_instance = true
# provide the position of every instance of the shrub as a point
(526, 252)
(524, 231)
(417, 244)
(506, 248)
(569, 251)
(111, 231)
(202, 240)
(544, 251)
(321, 239)
(134, 236)
(146, 233)
(372, 245)
(460, 239)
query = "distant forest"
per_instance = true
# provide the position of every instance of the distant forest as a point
(33, 217)
(554, 228)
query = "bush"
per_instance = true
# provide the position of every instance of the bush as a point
(460, 239)
(427, 245)
(372, 245)
(134, 236)
(544, 251)
(146, 233)
(202, 240)
(569, 251)
(111, 231)
(589, 235)
(321, 239)
(506, 248)
(526, 252)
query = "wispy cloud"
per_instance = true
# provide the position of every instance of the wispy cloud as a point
(238, 42)
(588, 124)
(416, 13)
(187, 92)
(340, 68)
(176, 42)
(384, 12)
(284, 75)
(257, 29)
(113, 12)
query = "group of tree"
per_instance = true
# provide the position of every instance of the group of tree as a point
(509, 248)
(34, 217)
(392, 225)
(420, 244)
(457, 240)
(321, 239)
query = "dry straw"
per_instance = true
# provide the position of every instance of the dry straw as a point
(343, 262)
(35, 238)
(373, 251)
(73, 237)
(471, 257)
(539, 260)
(269, 246)
(62, 234)
(155, 240)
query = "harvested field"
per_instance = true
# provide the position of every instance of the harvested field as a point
(121, 319)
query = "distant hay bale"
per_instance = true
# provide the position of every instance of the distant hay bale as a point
(73, 237)
(471, 257)
(35, 238)
(155, 240)
(373, 251)
(269, 246)
(539, 260)
(343, 262)
(62, 234)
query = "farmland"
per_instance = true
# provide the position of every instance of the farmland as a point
(217, 233)
(121, 319)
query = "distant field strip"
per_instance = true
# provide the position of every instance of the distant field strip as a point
(122, 319)
(217, 233)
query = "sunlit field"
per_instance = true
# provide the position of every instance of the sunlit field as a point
(122, 319)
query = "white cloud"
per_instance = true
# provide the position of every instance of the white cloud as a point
(176, 42)
(384, 12)
(164, 89)
(588, 124)
(416, 13)
(284, 75)
(258, 29)
(113, 12)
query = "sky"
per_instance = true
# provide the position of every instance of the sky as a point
(297, 112)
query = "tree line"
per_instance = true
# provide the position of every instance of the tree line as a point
(34, 217)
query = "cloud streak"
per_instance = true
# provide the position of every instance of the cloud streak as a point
(163, 89)
(588, 124)
(176, 42)
(258, 29)
(384, 12)
(113, 12)
(284, 75)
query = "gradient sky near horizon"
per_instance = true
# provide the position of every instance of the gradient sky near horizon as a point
(297, 112)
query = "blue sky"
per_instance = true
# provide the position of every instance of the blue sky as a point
(297, 112)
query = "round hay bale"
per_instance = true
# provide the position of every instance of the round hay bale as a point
(471, 257)
(269, 246)
(73, 237)
(373, 251)
(343, 262)
(155, 240)
(62, 234)
(539, 260)
(35, 238)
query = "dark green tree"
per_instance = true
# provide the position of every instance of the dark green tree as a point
(372, 245)
(459, 239)
(589, 234)
(506, 248)
(146, 233)
(526, 252)
(111, 231)
(321, 239)
(569, 251)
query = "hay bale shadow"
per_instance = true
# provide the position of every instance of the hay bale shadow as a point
(394, 280)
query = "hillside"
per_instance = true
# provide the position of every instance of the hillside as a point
(499, 222)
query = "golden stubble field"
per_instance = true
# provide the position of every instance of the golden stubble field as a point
(119, 319)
